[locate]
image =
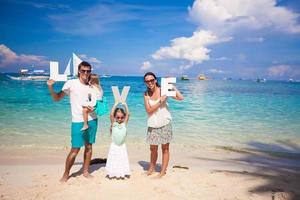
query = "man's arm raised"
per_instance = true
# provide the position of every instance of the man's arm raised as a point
(55, 96)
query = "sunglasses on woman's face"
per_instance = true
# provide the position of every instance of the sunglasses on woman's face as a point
(150, 81)
(82, 71)
(120, 117)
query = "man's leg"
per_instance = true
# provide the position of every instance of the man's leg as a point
(69, 163)
(88, 150)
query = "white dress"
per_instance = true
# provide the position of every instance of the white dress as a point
(117, 164)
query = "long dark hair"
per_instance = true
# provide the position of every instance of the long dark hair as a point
(151, 74)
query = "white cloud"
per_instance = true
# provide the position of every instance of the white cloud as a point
(228, 15)
(279, 70)
(89, 59)
(223, 58)
(8, 57)
(217, 19)
(146, 65)
(216, 71)
(193, 49)
(255, 39)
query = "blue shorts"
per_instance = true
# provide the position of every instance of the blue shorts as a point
(79, 138)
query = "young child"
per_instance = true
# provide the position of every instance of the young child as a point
(117, 164)
(94, 95)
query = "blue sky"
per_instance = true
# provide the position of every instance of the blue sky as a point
(221, 38)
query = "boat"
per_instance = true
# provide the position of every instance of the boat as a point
(29, 78)
(75, 62)
(185, 78)
(261, 80)
(202, 77)
(27, 75)
(227, 79)
(291, 80)
(105, 76)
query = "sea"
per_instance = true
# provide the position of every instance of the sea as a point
(226, 113)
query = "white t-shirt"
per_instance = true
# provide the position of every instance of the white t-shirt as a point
(79, 95)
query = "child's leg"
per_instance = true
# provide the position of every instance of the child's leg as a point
(85, 112)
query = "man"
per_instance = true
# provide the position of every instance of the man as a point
(78, 90)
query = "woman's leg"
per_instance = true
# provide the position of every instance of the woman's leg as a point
(153, 159)
(85, 112)
(165, 159)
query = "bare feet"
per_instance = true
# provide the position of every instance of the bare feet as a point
(64, 178)
(87, 175)
(85, 127)
(149, 172)
(161, 174)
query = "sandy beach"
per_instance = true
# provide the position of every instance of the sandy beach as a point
(213, 173)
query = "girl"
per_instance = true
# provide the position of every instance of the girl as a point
(159, 122)
(94, 95)
(117, 164)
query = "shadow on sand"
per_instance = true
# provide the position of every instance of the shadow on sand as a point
(278, 164)
(95, 165)
(146, 165)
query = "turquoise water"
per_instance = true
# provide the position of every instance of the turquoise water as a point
(214, 112)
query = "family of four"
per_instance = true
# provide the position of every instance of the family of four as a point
(84, 92)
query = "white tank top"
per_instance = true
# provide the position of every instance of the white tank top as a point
(160, 117)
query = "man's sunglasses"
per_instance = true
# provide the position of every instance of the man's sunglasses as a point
(150, 81)
(82, 71)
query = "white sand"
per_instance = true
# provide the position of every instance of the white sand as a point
(212, 174)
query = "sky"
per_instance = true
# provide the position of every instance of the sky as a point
(220, 38)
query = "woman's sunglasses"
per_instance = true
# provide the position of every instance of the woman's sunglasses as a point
(150, 81)
(120, 117)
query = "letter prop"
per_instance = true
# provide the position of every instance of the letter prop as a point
(120, 98)
(54, 72)
(167, 87)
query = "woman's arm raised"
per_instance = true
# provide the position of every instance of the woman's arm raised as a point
(152, 109)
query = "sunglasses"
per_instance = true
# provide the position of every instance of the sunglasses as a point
(82, 71)
(120, 117)
(150, 81)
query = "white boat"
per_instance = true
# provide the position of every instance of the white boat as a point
(29, 78)
(105, 76)
(261, 80)
(76, 61)
(26, 75)
(185, 78)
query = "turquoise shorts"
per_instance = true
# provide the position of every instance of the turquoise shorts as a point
(79, 138)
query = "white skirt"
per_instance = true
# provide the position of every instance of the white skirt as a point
(117, 164)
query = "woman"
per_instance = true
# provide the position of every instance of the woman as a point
(159, 122)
